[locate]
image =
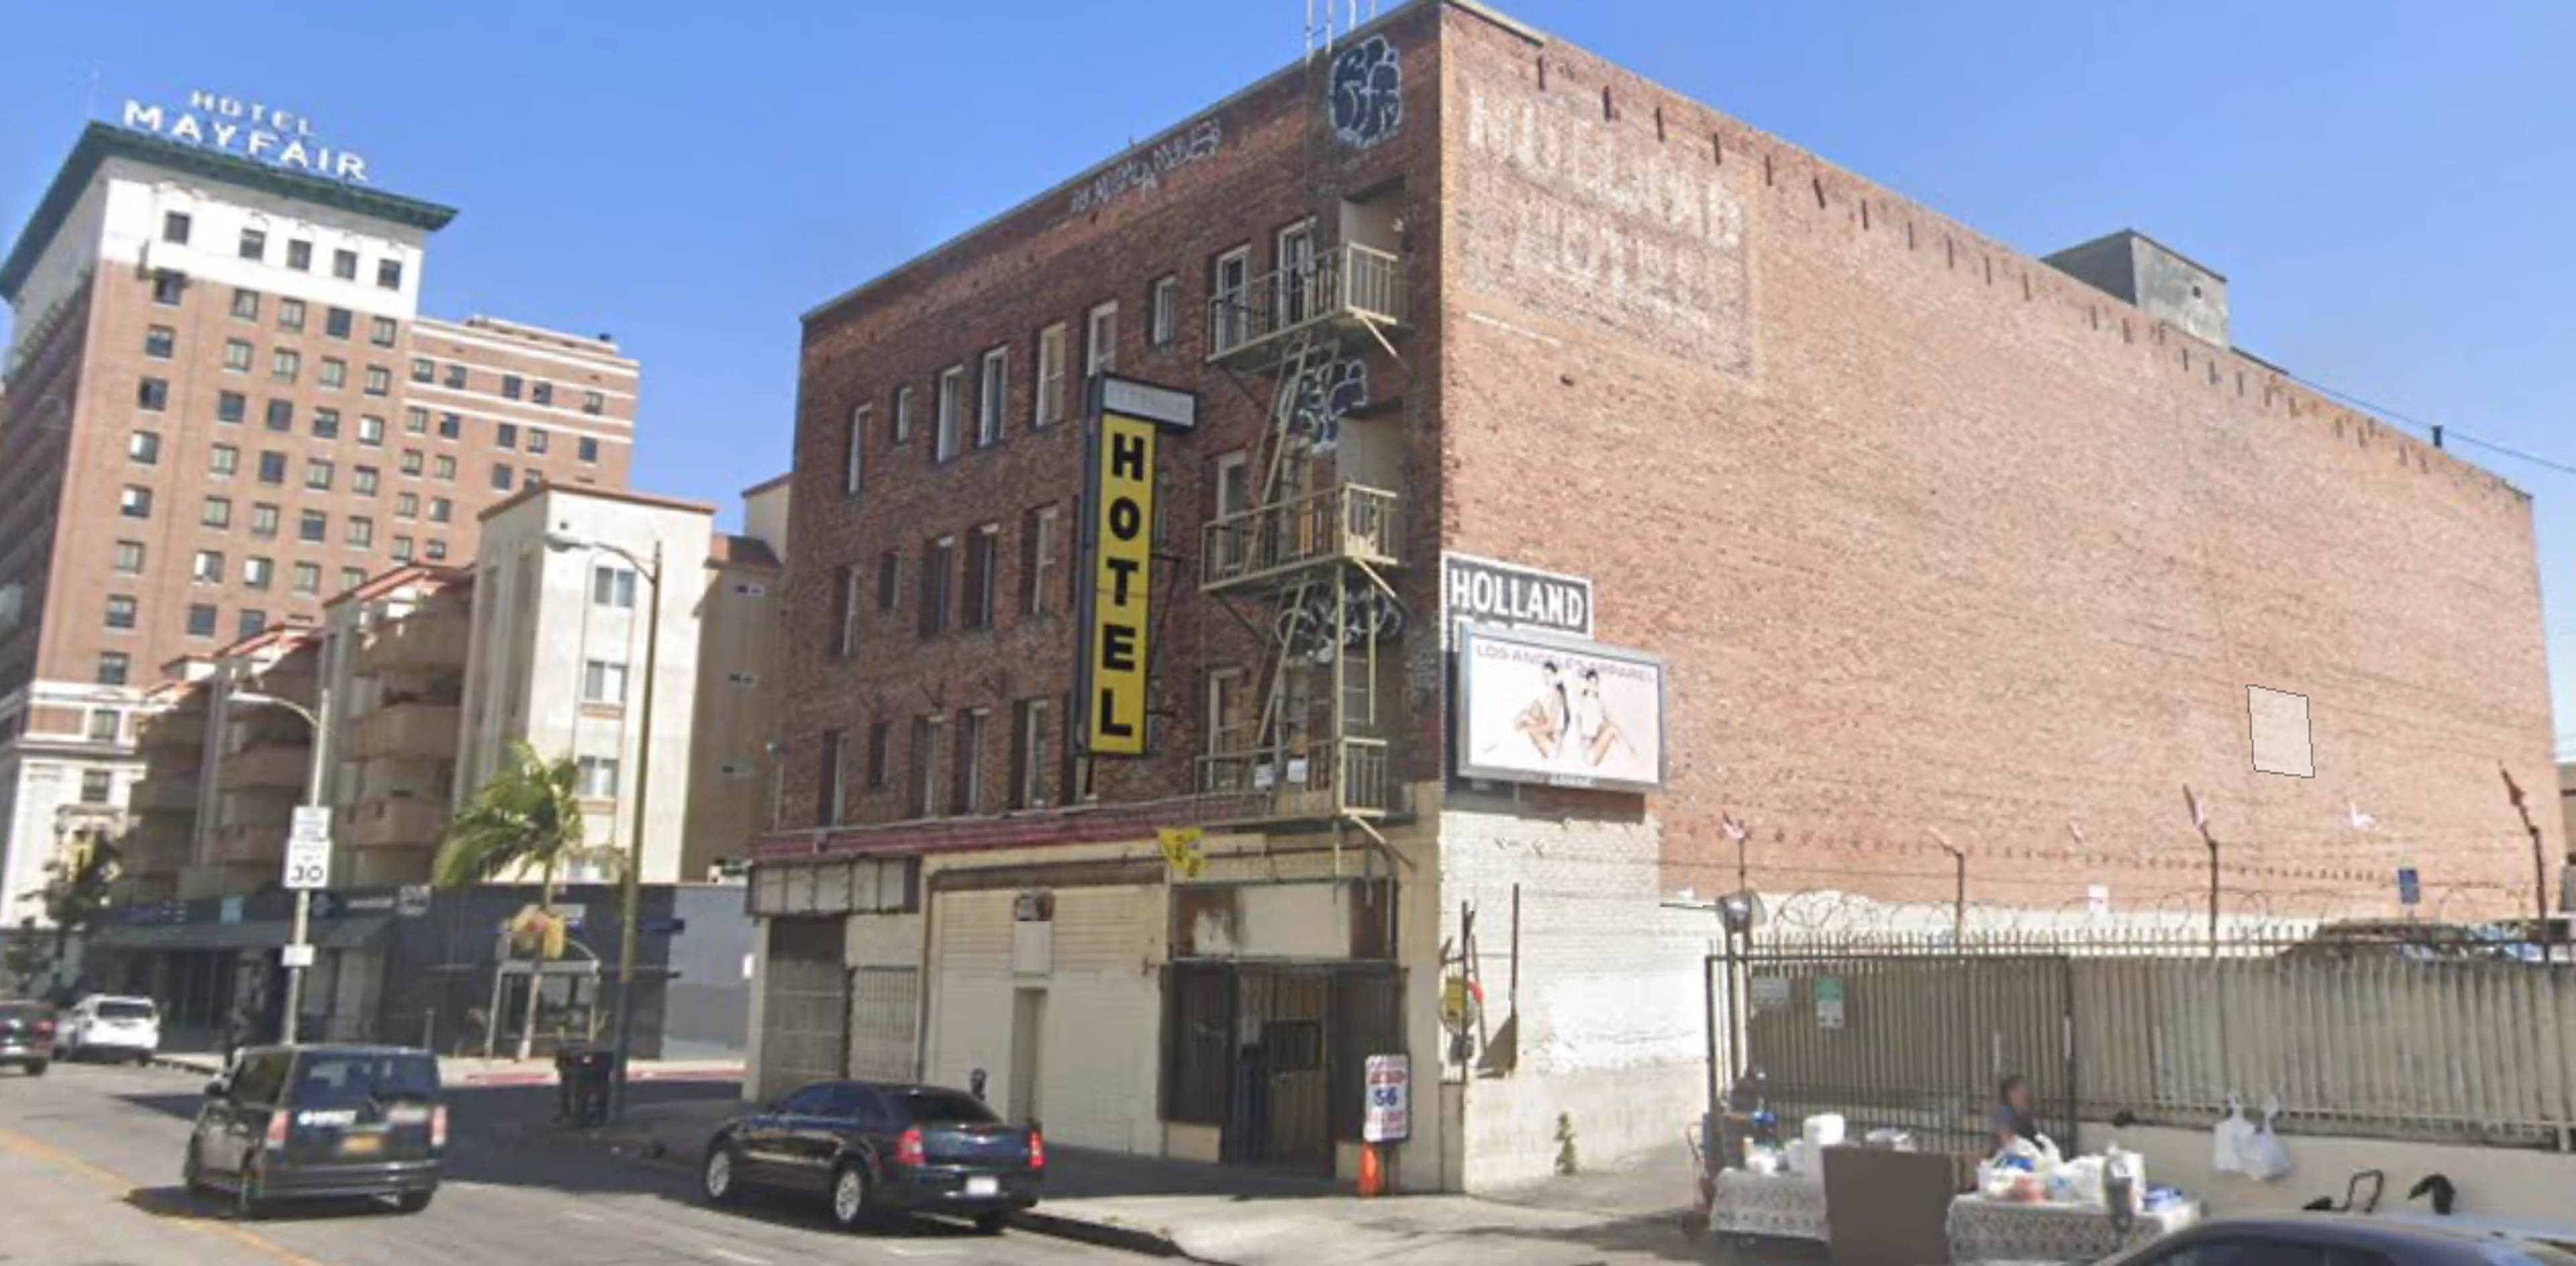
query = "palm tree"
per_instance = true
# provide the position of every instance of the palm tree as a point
(528, 815)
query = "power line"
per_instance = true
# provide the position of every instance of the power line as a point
(2436, 430)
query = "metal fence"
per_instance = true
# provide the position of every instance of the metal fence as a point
(2385, 1038)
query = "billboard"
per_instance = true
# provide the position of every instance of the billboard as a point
(1542, 708)
(1118, 548)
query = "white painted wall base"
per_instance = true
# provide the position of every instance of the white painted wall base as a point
(2494, 1182)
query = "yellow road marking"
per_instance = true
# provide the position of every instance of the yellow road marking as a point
(12, 1141)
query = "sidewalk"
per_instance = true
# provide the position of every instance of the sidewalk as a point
(499, 1072)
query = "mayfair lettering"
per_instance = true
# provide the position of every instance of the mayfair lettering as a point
(263, 133)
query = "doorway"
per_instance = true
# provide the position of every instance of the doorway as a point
(1028, 1055)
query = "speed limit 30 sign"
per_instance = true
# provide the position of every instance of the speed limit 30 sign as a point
(308, 850)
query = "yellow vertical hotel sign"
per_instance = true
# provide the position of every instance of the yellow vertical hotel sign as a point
(1128, 418)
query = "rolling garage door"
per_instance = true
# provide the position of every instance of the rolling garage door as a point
(805, 1006)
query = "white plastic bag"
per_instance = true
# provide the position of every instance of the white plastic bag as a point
(2266, 1158)
(2229, 1141)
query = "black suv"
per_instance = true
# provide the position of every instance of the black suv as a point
(313, 1122)
(881, 1147)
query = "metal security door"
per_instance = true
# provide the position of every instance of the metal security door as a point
(804, 1006)
(885, 1017)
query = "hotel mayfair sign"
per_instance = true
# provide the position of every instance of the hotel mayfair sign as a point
(248, 129)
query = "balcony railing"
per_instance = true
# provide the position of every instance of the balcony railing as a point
(1351, 522)
(1344, 283)
(270, 766)
(396, 822)
(1348, 777)
(416, 729)
(428, 639)
(160, 794)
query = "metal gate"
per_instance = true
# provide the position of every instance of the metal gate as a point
(885, 1013)
(804, 1006)
(1918, 1042)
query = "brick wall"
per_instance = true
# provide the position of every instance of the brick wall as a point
(1935, 537)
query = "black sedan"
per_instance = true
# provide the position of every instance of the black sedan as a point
(869, 1147)
(2338, 1241)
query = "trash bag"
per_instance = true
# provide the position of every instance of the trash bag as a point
(2229, 1141)
(2266, 1158)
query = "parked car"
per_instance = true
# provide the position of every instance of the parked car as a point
(104, 1027)
(2404, 939)
(2338, 1241)
(27, 1036)
(867, 1147)
(313, 1122)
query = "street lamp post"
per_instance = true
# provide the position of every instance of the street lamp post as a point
(630, 883)
(313, 780)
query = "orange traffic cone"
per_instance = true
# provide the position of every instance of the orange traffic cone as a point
(1372, 1178)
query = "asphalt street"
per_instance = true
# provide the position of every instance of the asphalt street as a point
(89, 1176)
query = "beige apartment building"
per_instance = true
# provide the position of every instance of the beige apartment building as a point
(222, 407)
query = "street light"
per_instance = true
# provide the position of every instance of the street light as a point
(312, 799)
(630, 883)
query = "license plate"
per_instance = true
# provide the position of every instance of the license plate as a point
(983, 1186)
(362, 1144)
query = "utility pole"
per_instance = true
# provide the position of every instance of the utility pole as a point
(300, 948)
(1959, 892)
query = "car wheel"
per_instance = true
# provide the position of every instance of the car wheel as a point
(415, 1201)
(722, 1178)
(991, 1223)
(850, 1195)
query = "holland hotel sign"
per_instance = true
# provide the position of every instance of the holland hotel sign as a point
(262, 133)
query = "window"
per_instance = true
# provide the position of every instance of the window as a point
(1233, 484)
(890, 576)
(1296, 261)
(924, 792)
(832, 806)
(1038, 550)
(1228, 285)
(539, 439)
(389, 275)
(993, 395)
(938, 560)
(1029, 729)
(263, 522)
(1164, 323)
(371, 430)
(423, 369)
(381, 331)
(174, 227)
(1229, 712)
(335, 373)
(160, 341)
(501, 476)
(299, 256)
(272, 468)
(415, 421)
(441, 510)
(852, 446)
(1100, 340)
(120, 611)
(506, 435)
(144, 447)
(201, 619)
(250, 623)
(254, 245)
(285, 364)
(135, 502)
(217, 512)
(589, 451)
(970, 763)
(436, 550)
(412, 462)
(152, 395)
(168, 287)
(129, 558)
(455, 375)
(612, 586)
(337, 322)
(983, 556)
(208, 568)
(1049, 409)
(603, 681)
(245, 305)
(281, 415)
(943, 440)
(363, 480)
(402, 549)
(361, 533)
(903, 415)
(223, 461)
(444, 470)
(598, 780)
(258, 573)
(880, 737)
(845, 612)
(313, 527)
(592, 402)
(352, 577)
(326, 424)
(104, 726)
(450, 426)
(290, 314)
(306, 579)
(407, 505)
(541, 392)
(99, 784)
(380, 381)
(344, 265)
(510, 386)
(237, 356)
(114, 667)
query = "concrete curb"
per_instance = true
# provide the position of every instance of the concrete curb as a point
(1131, 1239)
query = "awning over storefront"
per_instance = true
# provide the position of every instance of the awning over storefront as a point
(263, 934)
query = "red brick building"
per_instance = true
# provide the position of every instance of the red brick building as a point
(1915, 535)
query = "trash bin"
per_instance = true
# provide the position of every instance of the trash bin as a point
(582, 1077)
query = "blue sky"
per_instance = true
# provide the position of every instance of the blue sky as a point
(2384, 184)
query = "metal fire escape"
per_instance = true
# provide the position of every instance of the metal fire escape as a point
(1316, 556)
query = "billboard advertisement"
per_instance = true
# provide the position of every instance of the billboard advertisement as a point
(1542, 708)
